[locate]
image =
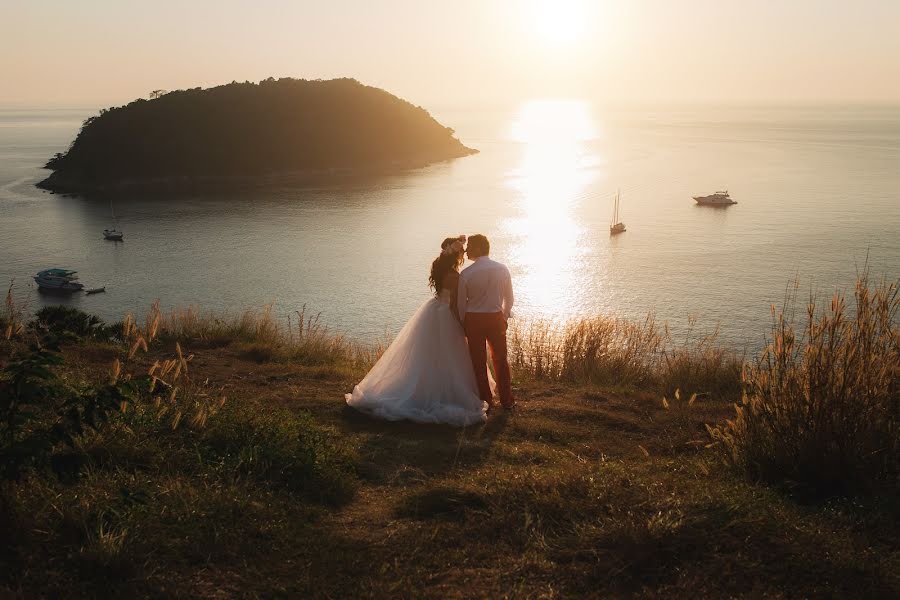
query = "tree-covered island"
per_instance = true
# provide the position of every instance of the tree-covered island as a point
(250, 132)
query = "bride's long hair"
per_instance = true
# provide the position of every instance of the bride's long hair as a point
(450, 259)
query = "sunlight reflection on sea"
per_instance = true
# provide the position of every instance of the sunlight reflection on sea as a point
(817, 187)
(550, 182)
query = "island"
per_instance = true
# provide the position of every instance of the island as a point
(251, 132)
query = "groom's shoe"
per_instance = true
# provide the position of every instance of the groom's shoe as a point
(509, 405)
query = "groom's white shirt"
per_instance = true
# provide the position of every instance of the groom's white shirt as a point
(485, 286)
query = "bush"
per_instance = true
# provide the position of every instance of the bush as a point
(39, 412)
(821, 406)
(64, 321)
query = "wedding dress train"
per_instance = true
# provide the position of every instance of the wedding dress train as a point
(426, 374)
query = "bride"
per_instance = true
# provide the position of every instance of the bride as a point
(426, 374)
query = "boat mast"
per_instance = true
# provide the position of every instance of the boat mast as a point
(613, 222)
(616, 218)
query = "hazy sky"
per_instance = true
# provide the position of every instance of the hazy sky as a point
(97, 53)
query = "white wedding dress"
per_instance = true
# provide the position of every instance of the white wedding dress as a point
(426, 374)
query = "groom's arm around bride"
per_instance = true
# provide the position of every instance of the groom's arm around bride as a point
(485, 301)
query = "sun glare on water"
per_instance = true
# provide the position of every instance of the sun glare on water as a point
(551, 182)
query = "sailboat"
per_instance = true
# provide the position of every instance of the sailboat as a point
(616, 226)
(115, 234)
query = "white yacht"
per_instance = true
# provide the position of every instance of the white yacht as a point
(62, 280)
(717, 199)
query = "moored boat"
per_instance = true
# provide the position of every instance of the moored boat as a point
(721, 198)
(616, 226)
(62, 280)
(115, 234)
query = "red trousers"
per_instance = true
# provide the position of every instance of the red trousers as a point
(490, 328)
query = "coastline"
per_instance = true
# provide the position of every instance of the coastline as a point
(733, 292)
(60, 182)
(302, 129)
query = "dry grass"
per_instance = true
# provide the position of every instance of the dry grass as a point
(618, 352)
(258, 336)
(700, 366)
(12, 321)
(585, 490)
(601, 351)
(598, 350)
(580, 492)
(822, 403)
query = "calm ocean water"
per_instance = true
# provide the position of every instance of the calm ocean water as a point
(818, 192)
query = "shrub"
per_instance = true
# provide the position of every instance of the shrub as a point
(27, 387)
(67, 321)
(821, 405)
(38, 411)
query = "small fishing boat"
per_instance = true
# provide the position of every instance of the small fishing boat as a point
(98, 290)
(115, 234)
(58, 280)
(616, 226)
(718, 199)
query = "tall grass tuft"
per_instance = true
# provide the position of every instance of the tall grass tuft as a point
(618, 352)
(821, 404)
(701, 366)
(613, 350)
(591, 350)
(257, 335)
(12, 322)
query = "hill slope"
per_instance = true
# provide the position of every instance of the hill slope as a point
(252, 130)
(283, 491)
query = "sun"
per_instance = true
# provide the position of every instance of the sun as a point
(559, 22)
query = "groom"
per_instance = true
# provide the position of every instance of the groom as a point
(485, 301)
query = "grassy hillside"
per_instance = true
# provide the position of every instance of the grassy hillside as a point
(229, 465)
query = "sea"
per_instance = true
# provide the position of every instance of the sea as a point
(817, 191)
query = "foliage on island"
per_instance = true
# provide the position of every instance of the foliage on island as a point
(248, 129)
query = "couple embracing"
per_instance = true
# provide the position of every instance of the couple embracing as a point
(436, 371)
